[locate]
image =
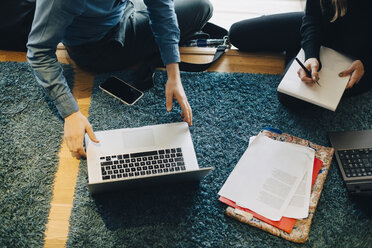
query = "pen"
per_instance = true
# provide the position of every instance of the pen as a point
(308, 73)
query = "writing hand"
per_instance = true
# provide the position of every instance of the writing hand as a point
(312, 64)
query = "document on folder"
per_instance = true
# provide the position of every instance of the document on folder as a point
(267, 176)
(298, 207)
(331, 87)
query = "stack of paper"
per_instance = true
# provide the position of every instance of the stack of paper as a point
(272, 179)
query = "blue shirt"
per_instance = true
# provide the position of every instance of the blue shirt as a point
(75, 22)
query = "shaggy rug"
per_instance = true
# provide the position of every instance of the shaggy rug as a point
(29, 143)
(227, 108)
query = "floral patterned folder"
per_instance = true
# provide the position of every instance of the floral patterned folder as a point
(301, 229)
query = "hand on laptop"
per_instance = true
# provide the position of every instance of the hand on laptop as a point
(174, 89)
(75, 127)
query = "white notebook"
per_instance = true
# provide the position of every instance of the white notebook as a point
(332, 87)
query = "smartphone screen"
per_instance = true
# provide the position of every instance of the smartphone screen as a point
(121, 90)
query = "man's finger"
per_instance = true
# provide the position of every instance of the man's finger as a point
(169, 101)
(186, 110)
(75, 155)
(188, 114)
(77, 143)
(73, 148)
(190, 109)
(81, 151)
(91, 134)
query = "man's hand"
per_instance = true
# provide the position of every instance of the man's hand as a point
(356, 70)
(174, 89)
(312, 64)
(75, 127)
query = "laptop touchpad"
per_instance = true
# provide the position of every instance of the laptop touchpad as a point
(138, 139)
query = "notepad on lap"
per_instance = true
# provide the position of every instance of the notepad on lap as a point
(331, 88)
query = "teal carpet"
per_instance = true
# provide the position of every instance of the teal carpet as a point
(227, 110)
(29, 143)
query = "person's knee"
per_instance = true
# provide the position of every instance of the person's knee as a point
(237, 33)
(207, 8)
(202, 8)
(233, 33)
(192, 15)
(253, 35)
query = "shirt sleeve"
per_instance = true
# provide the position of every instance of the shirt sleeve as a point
(50, 21)
(164, 25)
(311, 29)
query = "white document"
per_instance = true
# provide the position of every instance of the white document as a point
(267, 176)
(298, 207)
(332, 87)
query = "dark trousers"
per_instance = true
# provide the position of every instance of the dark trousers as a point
(270, 33)
(139, 43)
(281, 33)
(15, 23)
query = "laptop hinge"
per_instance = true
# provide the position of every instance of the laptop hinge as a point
(362, 188)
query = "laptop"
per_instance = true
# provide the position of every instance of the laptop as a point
(353, 152)
(143, 156)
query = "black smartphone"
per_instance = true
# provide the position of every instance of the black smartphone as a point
(121, 90)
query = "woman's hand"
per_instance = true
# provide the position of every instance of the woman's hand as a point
(356, 70)
(312, 64)
(75, 127)
(174, 89)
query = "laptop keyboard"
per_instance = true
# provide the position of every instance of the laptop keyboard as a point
(142, 163)
(356, 162)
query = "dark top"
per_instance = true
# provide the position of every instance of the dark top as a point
(350, 34)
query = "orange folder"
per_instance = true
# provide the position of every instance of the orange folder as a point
(286, 224)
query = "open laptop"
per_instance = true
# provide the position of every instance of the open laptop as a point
(353, 152)
(144, 156)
